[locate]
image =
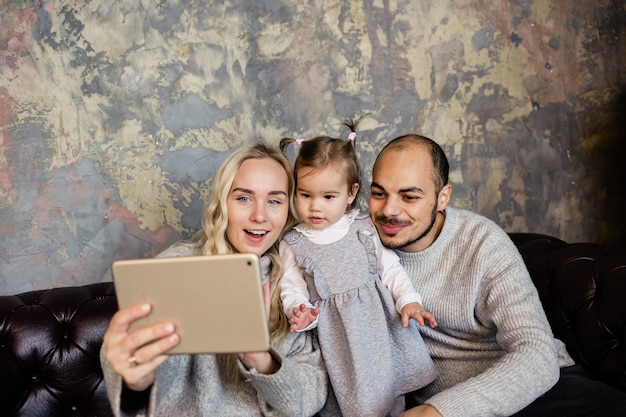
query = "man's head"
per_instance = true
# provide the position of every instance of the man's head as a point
(409, 192)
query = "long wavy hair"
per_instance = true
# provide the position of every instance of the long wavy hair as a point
(211, 239)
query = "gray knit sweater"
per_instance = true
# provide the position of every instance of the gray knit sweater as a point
(493, 348)
(193, 385)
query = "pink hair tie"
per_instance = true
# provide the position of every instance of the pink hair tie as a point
(352, 136)
(299, 141)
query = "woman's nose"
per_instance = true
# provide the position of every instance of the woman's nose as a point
(259, 214)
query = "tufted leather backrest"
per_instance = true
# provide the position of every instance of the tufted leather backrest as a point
(50, 339)
(49, 351)
(582, 287)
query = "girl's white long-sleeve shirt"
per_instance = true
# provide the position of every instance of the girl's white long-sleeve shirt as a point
(294, 290)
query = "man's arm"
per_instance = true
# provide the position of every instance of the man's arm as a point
(506, 301)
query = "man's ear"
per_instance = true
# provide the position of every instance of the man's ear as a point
(444, 197)
(353, 191)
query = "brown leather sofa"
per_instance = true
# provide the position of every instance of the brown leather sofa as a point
(49, 351)
(582, 287)
(50, 339)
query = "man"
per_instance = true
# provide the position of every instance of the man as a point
(493, 348)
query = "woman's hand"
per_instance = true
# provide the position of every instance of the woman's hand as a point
(136, 355)
(263, 362)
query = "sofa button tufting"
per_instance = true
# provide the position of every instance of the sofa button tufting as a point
(47, 337)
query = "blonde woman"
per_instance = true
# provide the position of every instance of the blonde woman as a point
(249, 211)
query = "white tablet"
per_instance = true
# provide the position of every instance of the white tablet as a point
(216, 302)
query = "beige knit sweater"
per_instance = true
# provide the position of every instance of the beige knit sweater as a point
(493, 348)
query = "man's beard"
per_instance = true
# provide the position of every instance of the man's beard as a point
(410, 241)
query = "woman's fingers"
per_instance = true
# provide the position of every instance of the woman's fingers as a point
(135, 354)
(137, 365)
(266, 297)
(136, 357)
(142, 375)
(120, 322)
(151, 340)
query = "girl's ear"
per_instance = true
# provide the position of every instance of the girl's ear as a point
(352, 194)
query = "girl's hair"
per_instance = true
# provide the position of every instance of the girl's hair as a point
(211, 239)
(324, 151)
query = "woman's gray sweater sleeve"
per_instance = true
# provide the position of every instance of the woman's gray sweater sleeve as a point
(299, 387)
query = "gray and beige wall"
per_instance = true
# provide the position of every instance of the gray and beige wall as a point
(115, 114)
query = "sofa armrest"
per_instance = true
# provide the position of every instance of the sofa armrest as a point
(582, 288)
(588, 309)
(49, 351)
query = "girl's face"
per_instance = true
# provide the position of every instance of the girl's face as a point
(323, 196)
(258, 205)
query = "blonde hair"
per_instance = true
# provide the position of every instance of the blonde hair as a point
(211, 239)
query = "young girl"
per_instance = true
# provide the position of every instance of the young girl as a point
(341, 280)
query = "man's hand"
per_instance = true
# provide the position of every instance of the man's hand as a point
(302, 317)
(425, 410)
(416, 311)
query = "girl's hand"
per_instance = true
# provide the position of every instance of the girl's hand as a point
(416, 311)
(303, 317)
(135, 355)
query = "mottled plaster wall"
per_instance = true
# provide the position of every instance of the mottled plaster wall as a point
(114, 115)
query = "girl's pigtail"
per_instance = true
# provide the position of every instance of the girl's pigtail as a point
(352, 124)
(284, 142)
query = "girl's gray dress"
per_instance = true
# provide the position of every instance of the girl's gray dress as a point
(371, 359)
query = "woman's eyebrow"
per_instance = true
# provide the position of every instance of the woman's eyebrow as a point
(249, 191)
(242, 190)
(278, 192)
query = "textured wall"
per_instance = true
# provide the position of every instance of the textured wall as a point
(114, 114)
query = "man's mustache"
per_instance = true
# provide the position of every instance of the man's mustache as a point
(391, 221)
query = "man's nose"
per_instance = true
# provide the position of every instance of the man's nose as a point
(391, 206)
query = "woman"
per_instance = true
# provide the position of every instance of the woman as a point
(249, 211)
